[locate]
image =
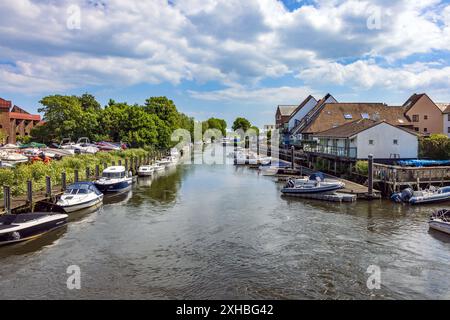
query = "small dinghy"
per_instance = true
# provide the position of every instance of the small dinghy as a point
(114, 179)
(430, 195)
(145, 171)
(440, 220)
(316, 183)
(80, 195)
(22, 227)
(158, 167)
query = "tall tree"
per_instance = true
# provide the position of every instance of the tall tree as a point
(165, 109)
(241, 123)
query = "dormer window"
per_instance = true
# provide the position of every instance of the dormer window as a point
(348, 116)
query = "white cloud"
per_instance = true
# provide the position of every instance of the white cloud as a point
(239, 44)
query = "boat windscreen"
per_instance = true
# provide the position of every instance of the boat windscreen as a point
(113, 175)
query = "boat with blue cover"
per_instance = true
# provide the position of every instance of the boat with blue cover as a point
(114, 179)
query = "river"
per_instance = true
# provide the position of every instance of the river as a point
(224, 232)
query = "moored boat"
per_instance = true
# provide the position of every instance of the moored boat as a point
(431, 195)
(114, 179)
(80, 195)
(145, 171)
(440, 221)
(316, 183)
(21, 227)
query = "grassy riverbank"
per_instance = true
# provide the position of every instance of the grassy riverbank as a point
(17, 177)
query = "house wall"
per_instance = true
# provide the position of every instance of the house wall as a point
(425, 107)
(447, 124)
(301, 113)
(383, 147)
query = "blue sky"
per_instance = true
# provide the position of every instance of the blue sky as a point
(225, 58)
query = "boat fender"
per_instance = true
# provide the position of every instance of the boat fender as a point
(15, 235)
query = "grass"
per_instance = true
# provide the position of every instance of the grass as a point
(17, 177)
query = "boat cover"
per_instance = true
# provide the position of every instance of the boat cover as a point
(316, 176)
(423, 163)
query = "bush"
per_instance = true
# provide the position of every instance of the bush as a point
(436, 147)
(362, 167)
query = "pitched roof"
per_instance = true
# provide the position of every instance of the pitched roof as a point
(19, 110)
(337, 114)
(5, 104)
(447, 110)
(416, 97)
(350, 129)
(310, 116)
(286, 110)
(301, 105)
(445, 107)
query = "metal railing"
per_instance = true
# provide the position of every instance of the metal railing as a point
(331, 150)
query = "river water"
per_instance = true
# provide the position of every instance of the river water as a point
(224, 232)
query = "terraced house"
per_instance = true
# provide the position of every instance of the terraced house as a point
(15, 122)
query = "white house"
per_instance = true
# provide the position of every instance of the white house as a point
(446, 114)
(358, 139)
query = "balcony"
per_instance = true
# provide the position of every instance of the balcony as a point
(341, 152)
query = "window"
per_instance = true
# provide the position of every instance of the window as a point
(348, 116)
(395, 141)
(416, 129)
(448, 117)
(448, 129)
(425, 129)
(425, 117)
(371, 142)
(365, 115)
(415, 118)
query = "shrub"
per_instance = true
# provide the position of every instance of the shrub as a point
(362, 167)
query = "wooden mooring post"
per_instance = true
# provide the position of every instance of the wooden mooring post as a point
(63, 181)
(97, 171)
(292, 158)
(76, 175)
(48, 187)
(88, 173)
(126, 164)
(7, 199)
(30, 194)
(120, 162)
(370, 176)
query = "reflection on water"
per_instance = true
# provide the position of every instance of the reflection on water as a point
(203, 232)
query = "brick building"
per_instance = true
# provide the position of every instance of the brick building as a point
(15, 121)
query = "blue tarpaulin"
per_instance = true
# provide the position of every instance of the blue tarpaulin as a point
(423, 163)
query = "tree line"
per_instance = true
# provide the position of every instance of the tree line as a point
(150, 124)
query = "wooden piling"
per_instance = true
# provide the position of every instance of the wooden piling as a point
(292, 157)
(7, 199)
(97, 171)
(126, 164)
(76, 175)
(48, 187)
(63, 181)
(30, 194)
(120, 162)
(88, 174)
(370, 174)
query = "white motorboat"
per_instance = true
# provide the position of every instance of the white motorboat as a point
(440, 221)
(167, 162)
(12, 157)
(80, 195)
(158, 168)
(83, 145)
(316, 183)
(145, 171)
(114, 179)
(430, 195)
(21, 227)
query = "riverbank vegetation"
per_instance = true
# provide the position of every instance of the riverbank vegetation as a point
(17, 177)
(435, 147)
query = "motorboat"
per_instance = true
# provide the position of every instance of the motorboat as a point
(145, 171)
(316, 183)
(108, 146)
(167, 161)
(430, 195)
(80, 195)
(21, 227)
(158, 167)
(114, 179)
(83, 145)
(174, 152)
(272, 168)
(440, 220)
(12, 157)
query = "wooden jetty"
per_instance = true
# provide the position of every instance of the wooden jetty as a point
(332, 197)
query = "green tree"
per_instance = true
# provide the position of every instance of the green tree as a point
(241, 123)
(436, 146)
(165, 109)
(214, 123)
